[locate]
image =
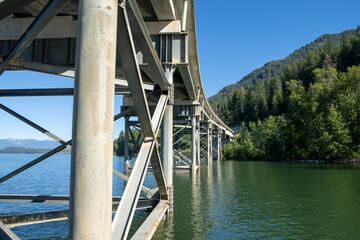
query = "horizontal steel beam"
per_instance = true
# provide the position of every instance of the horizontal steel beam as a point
(59, 27)
(34, 198)
(51, 10)
(65, 27)
(47, 198)
(48, 92)
(64, 71)
(13, 221)
(8, 7)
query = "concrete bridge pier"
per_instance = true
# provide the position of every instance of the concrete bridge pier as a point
(167, 158)
(130, 48)
(92, 149)
(198, 141)
(209, 144)
(193, 144)
(218, 147)
(126, 145)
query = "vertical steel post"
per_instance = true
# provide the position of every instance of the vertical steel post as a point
(208, 145)
(91, 156)
(193, 144)
(126, 145)
(167, 158)
(218, 144)
(198, 140)
(211, 142)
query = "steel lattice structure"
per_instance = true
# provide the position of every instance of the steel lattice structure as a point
(144, 50)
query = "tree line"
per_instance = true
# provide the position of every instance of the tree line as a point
(119, 143)
(309, 111)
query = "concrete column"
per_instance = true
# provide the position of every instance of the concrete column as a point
(177, 147)
(198, 140)
(92, 149)
(218, 145)
(208, 150)
(211, 143)
(193, 144)
(167, 158)
(126, 145)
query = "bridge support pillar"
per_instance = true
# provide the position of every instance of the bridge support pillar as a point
(218, 144)
(126, 145)
(92, 149)
(193, 144)
(167, 158)
(209, 145)
(198, 141)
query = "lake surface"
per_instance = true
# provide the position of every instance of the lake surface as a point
(230, 200)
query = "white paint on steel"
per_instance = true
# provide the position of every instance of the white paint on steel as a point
(167, 135)
(193, 144)
(148, 228)
(184, 15)
(92, 152)
(6, 233)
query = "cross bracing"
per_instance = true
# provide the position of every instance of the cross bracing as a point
(144, 50)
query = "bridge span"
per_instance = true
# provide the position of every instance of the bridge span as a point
(145, 50)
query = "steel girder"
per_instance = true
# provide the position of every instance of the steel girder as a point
(50, 11)
(150, 125)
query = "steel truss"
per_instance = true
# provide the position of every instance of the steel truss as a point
(207, 142)
(150, 125)
(130, 25)
(91, 200)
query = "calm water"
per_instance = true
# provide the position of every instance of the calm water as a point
(233, 200)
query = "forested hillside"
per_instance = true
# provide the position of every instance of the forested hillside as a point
(308, 107)
(276, 68)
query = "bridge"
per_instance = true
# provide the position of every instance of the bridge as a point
(143, 50)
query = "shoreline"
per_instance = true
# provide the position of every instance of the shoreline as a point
(352, 161)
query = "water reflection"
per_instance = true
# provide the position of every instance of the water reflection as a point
(226, 200)
(262, 200)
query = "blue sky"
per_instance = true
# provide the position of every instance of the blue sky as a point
(234, 38)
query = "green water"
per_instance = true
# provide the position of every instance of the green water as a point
(233, 200)
(266, 200)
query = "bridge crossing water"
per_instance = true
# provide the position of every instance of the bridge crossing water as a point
(144, 50)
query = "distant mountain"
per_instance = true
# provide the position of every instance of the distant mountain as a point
(21, 150)
(28, 143)
(275, 68)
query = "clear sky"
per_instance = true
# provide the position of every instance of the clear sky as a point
(234, 38)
